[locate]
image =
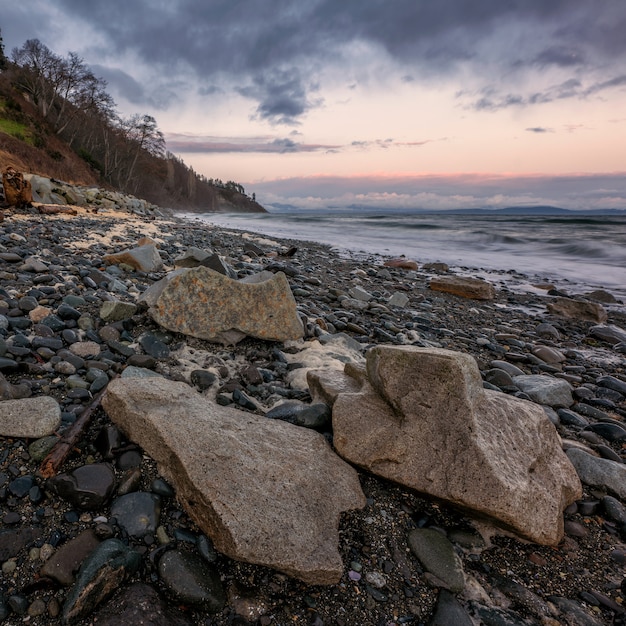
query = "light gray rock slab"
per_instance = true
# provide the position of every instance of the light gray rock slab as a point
(30, 418)
(206, 304)
(548, 390)
(597, 472)
(265, 491)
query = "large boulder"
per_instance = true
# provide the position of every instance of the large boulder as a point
(17, 190)
(423, 419)
(206, 304)
(464, 287)
(265, 491)
(145, 258)
(577, 309)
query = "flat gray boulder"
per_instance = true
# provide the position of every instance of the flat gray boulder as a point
(423, 419)
(30, 418)
(545, 389)
(597, 472)
(206, 304)
(265, 491)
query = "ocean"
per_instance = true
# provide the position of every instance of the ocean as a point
(577, 253)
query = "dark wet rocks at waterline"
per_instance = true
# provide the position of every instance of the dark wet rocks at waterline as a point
(132, 529)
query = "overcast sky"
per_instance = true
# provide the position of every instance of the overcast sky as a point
(387, 103)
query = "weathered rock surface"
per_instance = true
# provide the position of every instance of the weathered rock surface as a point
(29, 417)
(577, 309)
(609, 333)
(265, 491)
(423, 419)
(101, 573)
(598, 472)
(144, 258)
(465, 287)
(545, 389)
(208, 305)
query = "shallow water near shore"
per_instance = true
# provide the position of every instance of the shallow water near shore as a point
(578, 253)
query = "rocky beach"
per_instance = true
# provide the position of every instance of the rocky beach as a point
(207, 426)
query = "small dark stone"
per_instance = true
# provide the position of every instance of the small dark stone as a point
(137, 513)
(21, 486)
(203, 379)
(18, 604)
(87, 487)
(191, 580)
(610, 432)
(153, 347)
(54, 322)
(162, 488)
(129, 459)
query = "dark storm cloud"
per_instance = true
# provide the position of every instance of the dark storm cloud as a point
(281, 94)
(273, 51)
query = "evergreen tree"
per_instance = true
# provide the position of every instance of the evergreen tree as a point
(4, 63)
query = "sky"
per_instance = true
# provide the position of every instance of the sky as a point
(372, 103)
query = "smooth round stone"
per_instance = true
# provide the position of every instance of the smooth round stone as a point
(153, 347)
(614, 509)
(438, 557)
(41, 330)
(548, 331)
(74, 301)
(66, 312)
(610, 432)
(39, 449)
(203, 379)
(142, 360)
(206, 549)
(99, 384)
(191, 580)
(85, 349)
(46, 342)
(137, 513)
(27, 303)
(76, 382)
(571, 418)
(316, 416)
(129, 459)
(162, 488)
(498, 377)
(54, 322)
(87, 487)
(63, 367)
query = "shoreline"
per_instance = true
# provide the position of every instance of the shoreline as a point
(516, 277)
(383, 582)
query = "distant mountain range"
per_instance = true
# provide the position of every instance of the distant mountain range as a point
(539, 210)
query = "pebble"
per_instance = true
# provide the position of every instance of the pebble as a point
(192, 580)
(54, 341)
(87, 487)
(137, 513)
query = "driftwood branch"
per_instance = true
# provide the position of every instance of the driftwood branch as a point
(55, 209)
(56, 457)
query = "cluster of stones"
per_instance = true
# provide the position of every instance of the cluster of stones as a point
(48, 191)
(269, 492)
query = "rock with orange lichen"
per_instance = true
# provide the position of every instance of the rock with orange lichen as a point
(206, 304)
